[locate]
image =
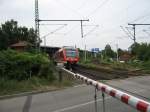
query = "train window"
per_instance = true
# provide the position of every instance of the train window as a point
(71, 53)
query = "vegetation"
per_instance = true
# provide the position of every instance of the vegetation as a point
(139, 59)
(108, 52)
(141, 51)
(22, 66)
(23, 71)
(11, 33)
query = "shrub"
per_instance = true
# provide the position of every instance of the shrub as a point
(24, 65)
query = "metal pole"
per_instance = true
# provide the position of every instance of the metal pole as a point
(37, 24)
(134, 38)
(40, 20)
(81, 28)
(85, 53)
(103, 96)
(117, 53)
(45, 43)
(95, 97)
(60, 76)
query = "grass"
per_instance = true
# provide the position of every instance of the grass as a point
(9, 87)
(140, 67)
(15, 87)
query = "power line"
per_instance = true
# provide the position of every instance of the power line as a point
(126, 32)
(71, 30)
(93, 29)
(146, 32)
(141, 17)
(66, 6)
(134, 36)
(61, 27)
(52, 24)
(97, 8)
(127, 28)
(82, 5)
(75, 20)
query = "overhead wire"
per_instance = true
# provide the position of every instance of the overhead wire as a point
(82, 5)
(66, 6)
(146, 32)
(97, 8)
(92, 30)
(52, 24)
(52, 32)
(126, 32)
(141, 17)
(127, 28)
(71, 29)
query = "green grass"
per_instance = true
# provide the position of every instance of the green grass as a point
(142, 67)
(14, 86)
(9, 87)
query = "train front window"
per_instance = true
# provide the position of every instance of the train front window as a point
(71, 53)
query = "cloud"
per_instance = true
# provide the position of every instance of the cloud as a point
(110, 17)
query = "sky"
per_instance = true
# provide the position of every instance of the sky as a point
(104, 26)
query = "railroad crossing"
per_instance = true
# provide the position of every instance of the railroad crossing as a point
(81, 98)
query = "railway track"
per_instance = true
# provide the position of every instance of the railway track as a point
(89, 73)
(98, 75)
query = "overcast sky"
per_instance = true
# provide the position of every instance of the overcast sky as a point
(108, 14)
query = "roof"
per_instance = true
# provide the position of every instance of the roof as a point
(20, 44)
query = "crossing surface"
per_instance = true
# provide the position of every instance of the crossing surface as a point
(77, 99)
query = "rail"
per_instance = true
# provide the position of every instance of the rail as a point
(126, 98)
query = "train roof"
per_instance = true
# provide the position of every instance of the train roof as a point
(68, 47)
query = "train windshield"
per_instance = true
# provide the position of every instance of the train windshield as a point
(71, 53)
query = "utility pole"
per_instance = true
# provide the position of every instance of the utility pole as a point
(117, 52)
(134, 26)
(82, 33)
(81, 28)
(85, 53)
(81, 21)
(37, 31)
(95, 26)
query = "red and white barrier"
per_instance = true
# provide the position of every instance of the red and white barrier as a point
(137, 103)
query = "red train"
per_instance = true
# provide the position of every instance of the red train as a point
(68, 56)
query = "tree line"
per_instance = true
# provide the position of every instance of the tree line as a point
(11, 32)
(137, 51)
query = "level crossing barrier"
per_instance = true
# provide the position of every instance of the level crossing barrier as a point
(126, 98)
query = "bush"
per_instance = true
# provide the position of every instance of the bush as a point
(24, 65)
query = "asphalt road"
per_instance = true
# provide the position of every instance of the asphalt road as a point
(77, 99)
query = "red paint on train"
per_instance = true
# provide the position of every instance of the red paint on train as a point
(67, 55)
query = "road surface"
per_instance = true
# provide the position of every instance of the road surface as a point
(77, 99)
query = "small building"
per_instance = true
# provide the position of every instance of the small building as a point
(125, 57)
(20, 46)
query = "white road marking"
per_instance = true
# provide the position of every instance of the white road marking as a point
(83, 85)
(79, 105)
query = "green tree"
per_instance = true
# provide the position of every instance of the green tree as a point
(141, 51)
(120, 52)
(109, 52)
(11, 33)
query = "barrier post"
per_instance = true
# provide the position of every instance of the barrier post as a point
(60, 76)
(103, 96)
(95, 97)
